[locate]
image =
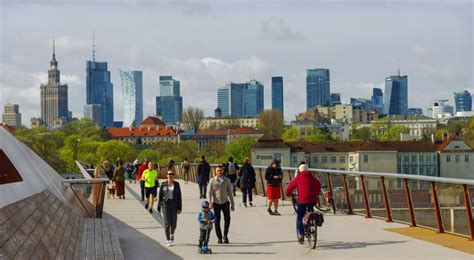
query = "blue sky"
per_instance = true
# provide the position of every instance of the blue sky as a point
(206, 44)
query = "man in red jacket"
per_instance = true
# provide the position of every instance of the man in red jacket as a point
(308, 188)
(141, 169)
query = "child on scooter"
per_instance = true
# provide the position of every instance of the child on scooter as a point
(205, 218)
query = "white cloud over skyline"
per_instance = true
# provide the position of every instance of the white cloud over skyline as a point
(208, 44)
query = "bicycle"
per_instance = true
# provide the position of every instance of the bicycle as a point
(311, 221)
(329, 200)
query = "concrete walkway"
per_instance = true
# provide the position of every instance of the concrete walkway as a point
(253, 233)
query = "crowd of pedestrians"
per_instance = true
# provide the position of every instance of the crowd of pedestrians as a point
(217, 192)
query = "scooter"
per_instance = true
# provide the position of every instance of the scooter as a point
(205, 249)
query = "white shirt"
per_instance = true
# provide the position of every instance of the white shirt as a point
(170, 192)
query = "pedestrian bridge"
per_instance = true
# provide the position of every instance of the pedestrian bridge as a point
(379, 215)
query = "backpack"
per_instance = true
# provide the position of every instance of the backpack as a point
(231, 170)
(186, 165)
(317, 216)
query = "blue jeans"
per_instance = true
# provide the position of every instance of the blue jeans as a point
(244, 195)
(142, 189)
(302, 209)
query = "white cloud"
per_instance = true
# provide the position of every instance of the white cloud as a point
(276, 29)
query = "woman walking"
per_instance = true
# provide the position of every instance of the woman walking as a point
(150, 177)
(169, 200)
(274, 177)
(247, 181)
(119, 179)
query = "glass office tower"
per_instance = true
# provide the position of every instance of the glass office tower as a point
(277, 94)
(100, 90)
(396, 95)
(132, 95)
(318, 88)
(463, 101)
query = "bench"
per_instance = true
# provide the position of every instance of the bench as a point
(43, 227)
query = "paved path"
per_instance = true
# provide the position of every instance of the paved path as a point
(253, 233)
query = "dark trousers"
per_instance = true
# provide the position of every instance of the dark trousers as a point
(224, 208)
(186, 175)
(203, 189)
(110, 174)
(142, 189)
(204, 237)
(245, 192)
(170, 217)
(302, 209)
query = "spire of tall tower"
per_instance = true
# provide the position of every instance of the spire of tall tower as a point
(93, 45)
(54, 50)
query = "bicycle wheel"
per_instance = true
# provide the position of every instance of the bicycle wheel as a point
(312, 234)
(294, 202)
(333, 205)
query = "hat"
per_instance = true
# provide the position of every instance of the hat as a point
(303, 167)
(205, 204)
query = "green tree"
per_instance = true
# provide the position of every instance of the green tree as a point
(291, 135)
(317, 134)
(150, 154)
(393, 133)
(215, 152)
(270, 121)
(115, 149)
(240, 149)
(361, 133)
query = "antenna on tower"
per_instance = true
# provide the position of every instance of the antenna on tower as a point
(93, 45)
(398, 61)
(54, 50)
(250, 73)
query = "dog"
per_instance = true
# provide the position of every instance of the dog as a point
(111, 192)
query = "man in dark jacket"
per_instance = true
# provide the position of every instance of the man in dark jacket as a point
(247, 181)
(230, 171)
(203, 171)
(274, 177)
(308, 188)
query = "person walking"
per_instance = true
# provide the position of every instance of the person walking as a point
(222, 201)
(170, 204)
(230, 171)
(119, 179)
(141, 169)
(185, 166)
(247, 181)
(150, 177)
(274, 177)
(203, 172)
(308, 188)
(205, 219)
(108, 168)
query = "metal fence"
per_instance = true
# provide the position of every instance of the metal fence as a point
(442, 204)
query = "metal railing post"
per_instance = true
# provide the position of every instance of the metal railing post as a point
(348, 197)
(386, 201)
(439, 218)
(289, 175)
(467, 203)
(410, 203)
(366, 200)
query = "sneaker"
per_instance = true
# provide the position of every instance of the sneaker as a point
(146, 206)
(168, 243)
(219, 241)
(226, 240)
(270, 212)
(245, 205)
(150, 210)
(172, 237)
(276, 213)
(301, 239)
(251, 205)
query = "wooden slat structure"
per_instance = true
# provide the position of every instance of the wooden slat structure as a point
(43, 227)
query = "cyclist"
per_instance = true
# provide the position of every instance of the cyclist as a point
(308, 188)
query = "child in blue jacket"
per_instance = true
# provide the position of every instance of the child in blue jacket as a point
(205, 219)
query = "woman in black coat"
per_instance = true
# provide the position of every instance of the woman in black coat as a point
(247, 181)
(169, 199)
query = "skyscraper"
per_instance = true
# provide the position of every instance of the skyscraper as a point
(12, 115)
(377, 100)
(54, 98)
(93, 112)
(463, 101)
(335, 99)
(318, 89)
(241, 99)
(169, 105)
(277, 94)
(132, 94)
(396, 95)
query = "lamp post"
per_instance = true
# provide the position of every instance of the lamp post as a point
(76, 143)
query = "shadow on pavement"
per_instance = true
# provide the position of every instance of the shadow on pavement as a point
(328, 245)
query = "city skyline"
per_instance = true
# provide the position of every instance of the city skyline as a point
(438, 63)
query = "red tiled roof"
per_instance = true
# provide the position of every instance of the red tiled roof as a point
(152, 120)
(9, 128)
(141, 131)
(244, 130)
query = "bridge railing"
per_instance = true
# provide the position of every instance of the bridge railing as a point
(443, 204)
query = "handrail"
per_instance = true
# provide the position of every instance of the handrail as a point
(83, 171)
(84, 181)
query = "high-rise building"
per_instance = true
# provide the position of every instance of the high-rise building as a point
(132, 94)
(377, 100)
(169, 86)
(169, 108)
(335, 99)
(396, 95)
(415, 111)
(463, 101)
(277, 94)
(440, 109)
(318, 89)
(241, 99)
(169, 105)
(54, 98)
(362, 103)
(93, 112)
(12, 115)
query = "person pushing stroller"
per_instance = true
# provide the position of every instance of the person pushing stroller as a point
(205, 219)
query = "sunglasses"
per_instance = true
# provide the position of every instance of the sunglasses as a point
(171, 174)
